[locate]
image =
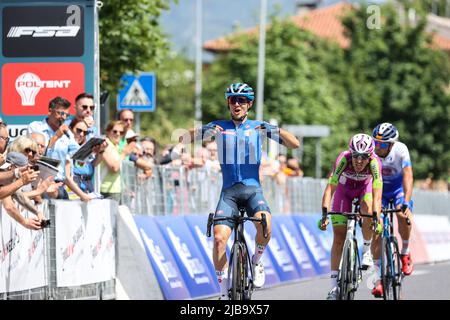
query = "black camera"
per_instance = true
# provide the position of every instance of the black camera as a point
(45, 223)
(35, 167)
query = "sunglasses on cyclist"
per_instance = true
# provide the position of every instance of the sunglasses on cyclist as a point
(239, 100)
(81, 131)
(85, 107)
(363, 156)
(382, 145)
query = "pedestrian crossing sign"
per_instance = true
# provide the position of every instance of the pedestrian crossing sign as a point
(138, 93)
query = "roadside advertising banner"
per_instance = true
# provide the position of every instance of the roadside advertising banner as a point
(162, 260)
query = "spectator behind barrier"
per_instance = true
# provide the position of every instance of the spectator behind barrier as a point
(127, 118)
(111, 160)
(29, 148)
(60, 142)
(16, 160)
(83, 170)
(84, 110)
(12, 180)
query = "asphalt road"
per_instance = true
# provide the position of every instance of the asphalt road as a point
(428, 282)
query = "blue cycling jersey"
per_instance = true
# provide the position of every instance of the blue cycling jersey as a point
(240, 149)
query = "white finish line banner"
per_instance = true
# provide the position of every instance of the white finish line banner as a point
(85, 251)
(22, 257)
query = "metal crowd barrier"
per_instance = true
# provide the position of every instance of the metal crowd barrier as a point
(95, 291)
(177, 190)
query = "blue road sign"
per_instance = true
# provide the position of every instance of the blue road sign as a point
(138, 92)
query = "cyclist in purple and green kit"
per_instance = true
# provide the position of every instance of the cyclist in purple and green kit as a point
(356, 174)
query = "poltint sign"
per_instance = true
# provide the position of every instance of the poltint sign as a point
(44, 31)
(27, 88)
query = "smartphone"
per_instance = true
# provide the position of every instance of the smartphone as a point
(45, 223)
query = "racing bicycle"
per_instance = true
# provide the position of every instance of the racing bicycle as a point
(240, 262)
(350, 271)
(391, 268)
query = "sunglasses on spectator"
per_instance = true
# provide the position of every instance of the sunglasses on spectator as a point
(382, 145)
(28, 150)
(239, 100)
(118, 132)
(85, 107)
(62, 113)
(81, 131)
(129, 119)
(363, 156)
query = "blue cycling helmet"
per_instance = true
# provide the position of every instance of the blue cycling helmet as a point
(241, 90)
(385, 132)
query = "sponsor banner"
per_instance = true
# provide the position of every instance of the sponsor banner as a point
(85, 251)
(272, 277)
(197, 225)
(295, 244)
(197, 276)
(311, 235)
(22, 265)
(27, 88)
(162, 260)
(430, 238)
(281, 257)
(43, 31)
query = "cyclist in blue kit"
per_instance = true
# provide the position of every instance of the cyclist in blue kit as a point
(397, 186)
(240, 143)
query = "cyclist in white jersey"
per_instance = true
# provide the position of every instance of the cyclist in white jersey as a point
(397, 186)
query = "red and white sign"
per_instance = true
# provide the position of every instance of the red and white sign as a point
(27, 88)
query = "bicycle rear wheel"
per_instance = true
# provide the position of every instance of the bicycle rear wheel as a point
(238, 274)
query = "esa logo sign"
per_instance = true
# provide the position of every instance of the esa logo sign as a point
(49, 31)
(43, 32)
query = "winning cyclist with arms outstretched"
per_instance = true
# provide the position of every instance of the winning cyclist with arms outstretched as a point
(356, 174)
(240, 143)
(397, 186)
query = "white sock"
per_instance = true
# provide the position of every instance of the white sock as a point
(367, 244)
(405, 247)
(333, 278)
(259, 250)
(222, 279)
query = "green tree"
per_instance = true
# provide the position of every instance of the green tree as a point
(303, 76)
(397, 76)
(439, 7)
(174, 99)
(130, 37)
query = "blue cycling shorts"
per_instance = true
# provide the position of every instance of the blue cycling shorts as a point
(240, 195)
(398, 196)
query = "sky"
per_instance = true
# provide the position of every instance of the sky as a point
(220, 17)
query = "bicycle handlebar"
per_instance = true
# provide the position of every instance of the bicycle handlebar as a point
(238, 219)
(385, 210)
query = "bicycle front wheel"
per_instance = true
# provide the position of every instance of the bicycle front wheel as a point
(238, 273)
(345, 273)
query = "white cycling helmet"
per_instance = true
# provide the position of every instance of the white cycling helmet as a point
(361, 143)
(385, 132)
